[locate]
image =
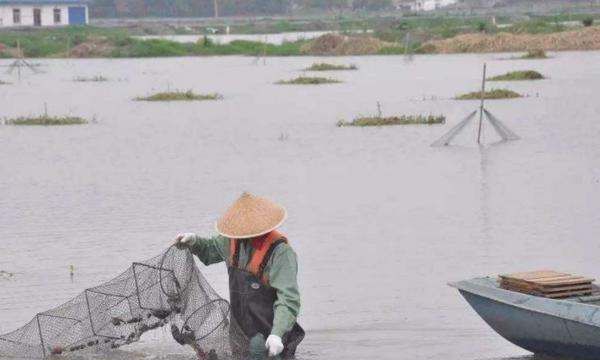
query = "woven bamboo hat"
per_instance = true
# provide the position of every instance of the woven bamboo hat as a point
(250, 216)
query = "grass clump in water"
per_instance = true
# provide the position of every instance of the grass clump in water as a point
(6, 274)
(4, 83)
(394, 120)
(330, 67)
(307, 80)
(518, 75)
(46, 120)
(535, 54)
(97, 78)
(490, 95)
(180, 96)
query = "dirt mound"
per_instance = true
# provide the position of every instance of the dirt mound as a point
(581, 39)
(333, 44)
(93, 47)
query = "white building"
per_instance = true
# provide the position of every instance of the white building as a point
(428, 5)
(14, 13)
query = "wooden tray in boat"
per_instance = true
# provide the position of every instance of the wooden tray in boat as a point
(547, 283)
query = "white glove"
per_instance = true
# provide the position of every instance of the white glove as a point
(274, 345)
(184, 240)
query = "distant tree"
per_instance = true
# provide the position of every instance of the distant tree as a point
(372, 5)
(481, 26)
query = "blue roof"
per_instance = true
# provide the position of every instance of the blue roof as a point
(42, 2)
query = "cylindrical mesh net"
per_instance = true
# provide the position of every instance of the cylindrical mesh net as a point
(167, 289)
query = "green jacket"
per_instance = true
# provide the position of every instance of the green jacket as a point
(282, 271)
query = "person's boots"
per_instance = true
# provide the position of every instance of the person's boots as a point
(257, 348)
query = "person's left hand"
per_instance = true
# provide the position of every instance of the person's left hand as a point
(274, 345)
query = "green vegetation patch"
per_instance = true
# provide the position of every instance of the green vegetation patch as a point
(330, 67)
(395, 120)
(180, 96)
(518, 75)
(46, 120)
(246, 47)
(535, 54)
(307, 80)
(97, 78)
(490, 95)
(57, 42)
(536, 26)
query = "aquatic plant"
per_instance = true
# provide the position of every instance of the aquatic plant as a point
(97, 78)
(330, 67)
(5, 274)
(587, 21)
(179, 96)
(490, 95)
(535, 54)
(307, 80)
(394, 120)
(46, 120)
(518, 75)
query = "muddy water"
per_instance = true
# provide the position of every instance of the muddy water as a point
(381, 220)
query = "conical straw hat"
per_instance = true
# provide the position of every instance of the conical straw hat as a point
(250, 216)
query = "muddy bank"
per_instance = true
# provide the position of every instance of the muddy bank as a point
(580, 39)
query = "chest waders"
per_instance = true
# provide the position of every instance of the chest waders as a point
(252, 298)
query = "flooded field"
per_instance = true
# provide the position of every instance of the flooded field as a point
(381, 221)
(277, 39)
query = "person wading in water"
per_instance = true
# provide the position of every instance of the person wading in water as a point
(263, 267)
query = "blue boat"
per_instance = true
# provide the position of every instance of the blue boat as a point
(562, 328)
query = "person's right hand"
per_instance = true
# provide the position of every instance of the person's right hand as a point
(184, 240)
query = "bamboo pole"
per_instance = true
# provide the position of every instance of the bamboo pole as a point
(20, 56)
(482, 104)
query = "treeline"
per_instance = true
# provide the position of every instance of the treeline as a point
(208, 8)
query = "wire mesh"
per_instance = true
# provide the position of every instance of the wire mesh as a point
(451, 134)
(167, 289)
(504, 132)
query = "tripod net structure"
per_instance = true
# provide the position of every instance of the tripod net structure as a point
(502, 130)
(167, 289)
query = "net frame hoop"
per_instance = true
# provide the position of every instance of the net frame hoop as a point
(225, 317)
(182, 289)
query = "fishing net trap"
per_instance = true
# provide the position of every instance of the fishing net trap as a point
(165, 290)
(503, 132)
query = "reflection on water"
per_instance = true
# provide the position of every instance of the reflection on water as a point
(380, 220)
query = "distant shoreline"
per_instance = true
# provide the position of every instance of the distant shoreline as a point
(93, 42)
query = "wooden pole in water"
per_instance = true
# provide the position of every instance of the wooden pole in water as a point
(216, 8)
(20, 56)
(481, 106)
(68, 46)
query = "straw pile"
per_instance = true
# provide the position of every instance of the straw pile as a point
(334, 44)
(581, 39)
